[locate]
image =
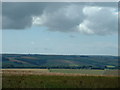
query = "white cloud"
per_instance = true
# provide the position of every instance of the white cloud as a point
(84, 19)
(82, 28)
(88, 18)
(99, 20)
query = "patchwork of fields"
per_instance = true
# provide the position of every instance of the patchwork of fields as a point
(58, 61)
(62, 71)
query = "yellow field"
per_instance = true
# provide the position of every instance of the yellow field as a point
(68, 72)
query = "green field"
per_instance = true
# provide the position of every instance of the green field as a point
(86, 71)
(59, 78)
(79, 71)
(46, 81)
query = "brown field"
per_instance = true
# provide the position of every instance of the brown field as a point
(45, 72)
(14, 60)
(29, 57)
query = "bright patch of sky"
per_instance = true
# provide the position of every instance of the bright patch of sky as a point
(41, 41)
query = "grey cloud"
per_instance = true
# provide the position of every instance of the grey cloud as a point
(63, 17)
(18, 15)
(104, 4)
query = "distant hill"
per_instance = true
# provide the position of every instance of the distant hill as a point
(36, 60)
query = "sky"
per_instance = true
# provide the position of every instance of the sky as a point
(60, 28)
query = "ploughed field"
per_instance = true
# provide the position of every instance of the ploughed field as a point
(59, 78)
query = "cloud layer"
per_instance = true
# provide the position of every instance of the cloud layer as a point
(88, 18)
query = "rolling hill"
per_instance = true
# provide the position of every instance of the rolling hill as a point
(38, 60)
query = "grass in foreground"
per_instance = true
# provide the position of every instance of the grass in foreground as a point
(53, 81)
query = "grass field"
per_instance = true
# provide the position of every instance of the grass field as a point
(54, 78)
(63, 71)
(79, 71)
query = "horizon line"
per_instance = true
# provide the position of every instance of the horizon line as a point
(64, 54)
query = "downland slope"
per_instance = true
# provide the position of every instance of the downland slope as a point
(57, 61)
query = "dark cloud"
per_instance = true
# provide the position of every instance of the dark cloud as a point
(18, 15)
(63, 19)
(90, 18)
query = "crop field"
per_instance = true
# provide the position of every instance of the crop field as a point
(79, 71)
(58, 78)
(87, 71)
(63, 71)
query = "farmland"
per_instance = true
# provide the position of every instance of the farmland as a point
(59, 71)
(62, 72)
(38, 61)
(56, 78)
(87, 72)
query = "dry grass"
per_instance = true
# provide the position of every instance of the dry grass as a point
(44, 72)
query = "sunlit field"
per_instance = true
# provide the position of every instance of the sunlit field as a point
(57, 78)
(88, 72)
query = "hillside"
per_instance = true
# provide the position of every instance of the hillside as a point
(56, 61)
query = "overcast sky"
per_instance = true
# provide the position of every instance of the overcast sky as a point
(60, 28)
